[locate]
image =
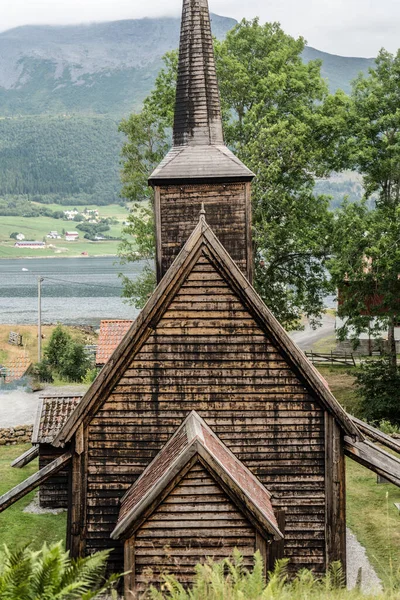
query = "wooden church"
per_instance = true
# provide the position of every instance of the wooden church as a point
(207, 429)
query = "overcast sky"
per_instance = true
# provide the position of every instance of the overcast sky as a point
(346, 27)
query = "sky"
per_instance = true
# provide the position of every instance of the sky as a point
(345, 27)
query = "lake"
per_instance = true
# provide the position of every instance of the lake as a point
(75, 291)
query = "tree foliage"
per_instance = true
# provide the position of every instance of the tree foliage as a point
(64, 356)
(275, 121)
(379, 387)
(366, 262)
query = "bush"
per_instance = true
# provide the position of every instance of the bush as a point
(50, 574)
(42, 372)
(379, 388)
(230, 580)
(65, 356)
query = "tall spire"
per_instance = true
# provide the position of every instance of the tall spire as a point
(198, 151)
(197, 107)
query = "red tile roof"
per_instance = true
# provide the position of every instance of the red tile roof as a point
(16, 368)
(195, 437)
(110, 336)
(53, 411)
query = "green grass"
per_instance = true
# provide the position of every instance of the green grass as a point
(16, 527)
(341, 382)
(375, 521)
(37, 228)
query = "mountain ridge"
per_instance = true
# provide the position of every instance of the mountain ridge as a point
(107, 68)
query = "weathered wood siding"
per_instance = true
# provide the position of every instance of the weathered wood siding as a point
(228, 211)
(196, 520)
(53, 493)
(209, 354)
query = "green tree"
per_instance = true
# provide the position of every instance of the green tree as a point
(55, 349)
(273, 106)
(367, 252)
(64, 356)
(50, 574)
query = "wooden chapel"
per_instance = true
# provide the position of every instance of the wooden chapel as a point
(207, 429)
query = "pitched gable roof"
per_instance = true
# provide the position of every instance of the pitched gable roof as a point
(192, 438)
(202, 241)
(52, 413)
(111, 333)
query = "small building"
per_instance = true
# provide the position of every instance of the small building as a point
(54, 235)
(51, 415)
(71, 236)
(34, 245)
(15, 369)
(112, 332)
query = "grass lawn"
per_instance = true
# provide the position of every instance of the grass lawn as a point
(341, 380)
(17, 527)
(373, 518)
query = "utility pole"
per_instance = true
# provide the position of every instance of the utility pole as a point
(40, 279)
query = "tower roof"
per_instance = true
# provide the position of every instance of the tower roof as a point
(198, 150)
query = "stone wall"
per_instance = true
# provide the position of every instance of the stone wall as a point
(20, 434)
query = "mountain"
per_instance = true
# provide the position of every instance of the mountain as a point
(64, 89)
(339, 71)
(96, 68)
(107, 68)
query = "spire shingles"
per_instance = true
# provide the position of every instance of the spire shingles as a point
(198, 150)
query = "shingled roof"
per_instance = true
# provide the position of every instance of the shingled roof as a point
(111, 333)
(192, 438)
(15, 369)
(198, 150)
(52, 413)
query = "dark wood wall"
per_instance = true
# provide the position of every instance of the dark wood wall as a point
(228, 212)
(196, 520)
(53, 493)
(209, 354)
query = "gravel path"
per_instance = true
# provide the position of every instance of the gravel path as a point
(18, 407)
(357, 559)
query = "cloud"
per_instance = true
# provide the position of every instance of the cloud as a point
(346, 27)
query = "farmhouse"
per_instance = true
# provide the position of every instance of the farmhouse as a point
(207, 429)
(28, 244)
(71, 236)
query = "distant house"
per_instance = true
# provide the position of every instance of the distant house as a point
(54, 235)
(20, 237)
(71, 236)
(70, 214)
(28, 244)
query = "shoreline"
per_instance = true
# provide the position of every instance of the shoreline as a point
(58, 256)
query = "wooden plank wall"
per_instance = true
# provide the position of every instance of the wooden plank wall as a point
(228, 212)
(208, 354)
(196, 520)
(53, 493)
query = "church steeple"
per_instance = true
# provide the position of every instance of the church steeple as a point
(198, 150)
(197, 107)
(199, 168)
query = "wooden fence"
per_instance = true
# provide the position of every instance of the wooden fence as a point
(333, 358)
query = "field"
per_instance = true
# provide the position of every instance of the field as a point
(38, 228)
(29, 338)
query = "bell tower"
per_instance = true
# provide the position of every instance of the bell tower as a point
(199, 168)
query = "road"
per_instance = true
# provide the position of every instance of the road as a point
(306, 338)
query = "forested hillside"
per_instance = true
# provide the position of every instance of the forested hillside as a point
(63, 91)
(60, 159)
